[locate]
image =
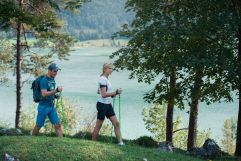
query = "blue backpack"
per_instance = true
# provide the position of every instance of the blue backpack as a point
(37, 95)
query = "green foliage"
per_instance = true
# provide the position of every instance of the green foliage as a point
(39, 21)
(146, 141)
(4, 124)
(197, 40)
(166, 35)
(229, 135)
(73, 5)
(87, 124)
(90, 19)
(77, 122)
(28, 118)
(202, 136)
(156, 115)
(6, 59)
(155, 121)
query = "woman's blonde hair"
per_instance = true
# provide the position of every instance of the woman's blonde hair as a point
(105, 66)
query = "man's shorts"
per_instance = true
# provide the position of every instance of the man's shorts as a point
(45, 110)
(104, 110)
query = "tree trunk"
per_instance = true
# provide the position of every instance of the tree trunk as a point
(192, 129)
(195, 96)
(18, 73)
(238, 140)
(170, 107)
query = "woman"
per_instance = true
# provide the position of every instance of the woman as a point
(104, 106)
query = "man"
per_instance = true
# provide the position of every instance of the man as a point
(46, 104)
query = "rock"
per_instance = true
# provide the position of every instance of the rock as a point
(9, 158)
(166, 146)
(19, 132)
(201, 152)
(10, 131)
(209, 150)
(212, 149)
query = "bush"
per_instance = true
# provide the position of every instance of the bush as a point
(146, 141)
(28, 118)
(229, 135)
(87, 124)
(75, 124)
(155, 122)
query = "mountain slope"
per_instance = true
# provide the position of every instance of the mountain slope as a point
(97, 19)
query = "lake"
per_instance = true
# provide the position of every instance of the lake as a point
(79, 77)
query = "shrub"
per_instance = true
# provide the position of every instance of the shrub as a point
(75, 124)
(155, 121)
(229, 135)
(28, 118)
(146, 141)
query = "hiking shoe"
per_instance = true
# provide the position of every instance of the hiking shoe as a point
(121, 144)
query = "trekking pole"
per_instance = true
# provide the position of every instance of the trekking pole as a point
(63, 114)
(112, 125)
(119, 112)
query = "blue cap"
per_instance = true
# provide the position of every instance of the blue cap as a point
(54, 67)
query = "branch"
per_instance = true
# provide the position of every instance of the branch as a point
(33, 52)
(211, 39)
(24, 34)
(33, 7)
(26, 43)
(179, 130)
(23, 82)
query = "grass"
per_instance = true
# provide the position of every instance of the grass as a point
(67, 149)
(80, 148)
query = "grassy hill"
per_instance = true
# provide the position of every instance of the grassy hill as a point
(44, 148)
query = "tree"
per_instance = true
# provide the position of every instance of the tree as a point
(149, 54)
(224, 30)
(40, 20)
(177, 37)
(229, 135)
(218, 23)
(154, 118)
(238, 141)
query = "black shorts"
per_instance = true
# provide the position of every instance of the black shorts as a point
(104, 110)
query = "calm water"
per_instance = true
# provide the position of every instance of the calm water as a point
(79, 78)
